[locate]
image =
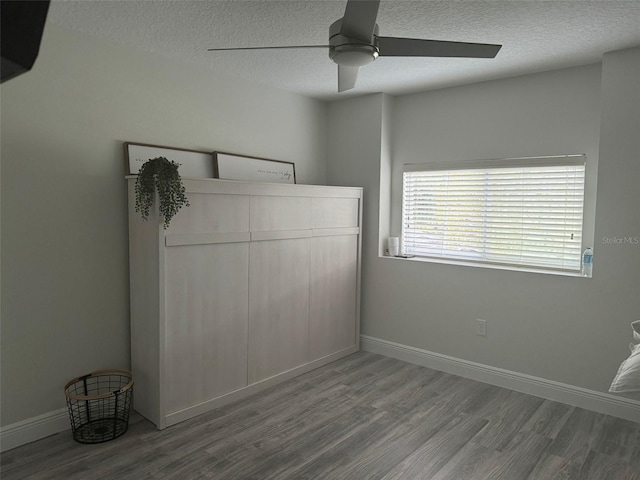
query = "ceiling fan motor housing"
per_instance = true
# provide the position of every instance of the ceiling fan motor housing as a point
(349, 51)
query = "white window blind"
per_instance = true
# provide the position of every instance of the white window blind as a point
(523, 212)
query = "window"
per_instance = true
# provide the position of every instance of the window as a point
(524, 212)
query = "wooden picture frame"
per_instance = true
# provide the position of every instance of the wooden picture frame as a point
(193, 163)
(230, 166)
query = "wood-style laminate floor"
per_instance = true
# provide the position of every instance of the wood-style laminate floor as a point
(362, 417)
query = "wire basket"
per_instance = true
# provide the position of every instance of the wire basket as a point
(99, 405)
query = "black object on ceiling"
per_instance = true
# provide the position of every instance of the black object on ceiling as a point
(21, 34)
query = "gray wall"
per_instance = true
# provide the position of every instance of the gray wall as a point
(65, 296)
(617, 286)
(64, 246)
(566, 329)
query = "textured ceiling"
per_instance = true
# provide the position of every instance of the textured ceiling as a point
(536, 36)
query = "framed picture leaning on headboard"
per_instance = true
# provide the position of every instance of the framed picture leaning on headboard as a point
(193, 163)
(229, 166)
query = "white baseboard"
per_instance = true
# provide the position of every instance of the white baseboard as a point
(613, 405)
(35, 428)
(32, 429)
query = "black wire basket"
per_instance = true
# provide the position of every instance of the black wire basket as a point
(99, 405)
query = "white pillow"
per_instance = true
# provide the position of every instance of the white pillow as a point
(628, 377)
(636, 330)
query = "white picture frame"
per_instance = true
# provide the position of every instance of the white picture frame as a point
(193, 163)
(229, 166)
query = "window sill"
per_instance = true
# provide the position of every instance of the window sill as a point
(509, 268)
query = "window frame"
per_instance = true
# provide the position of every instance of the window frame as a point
(556, 160)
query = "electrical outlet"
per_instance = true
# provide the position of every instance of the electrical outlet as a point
(481, 327)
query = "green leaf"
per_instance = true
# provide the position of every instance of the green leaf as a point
(160, 175)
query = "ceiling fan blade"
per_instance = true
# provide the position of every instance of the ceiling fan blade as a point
(360, 19)
(347, 77)
(265, 48)
(413, 47)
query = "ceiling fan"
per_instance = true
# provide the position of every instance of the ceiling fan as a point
(354, 42)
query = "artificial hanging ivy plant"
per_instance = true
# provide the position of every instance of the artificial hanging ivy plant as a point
(160, 175)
